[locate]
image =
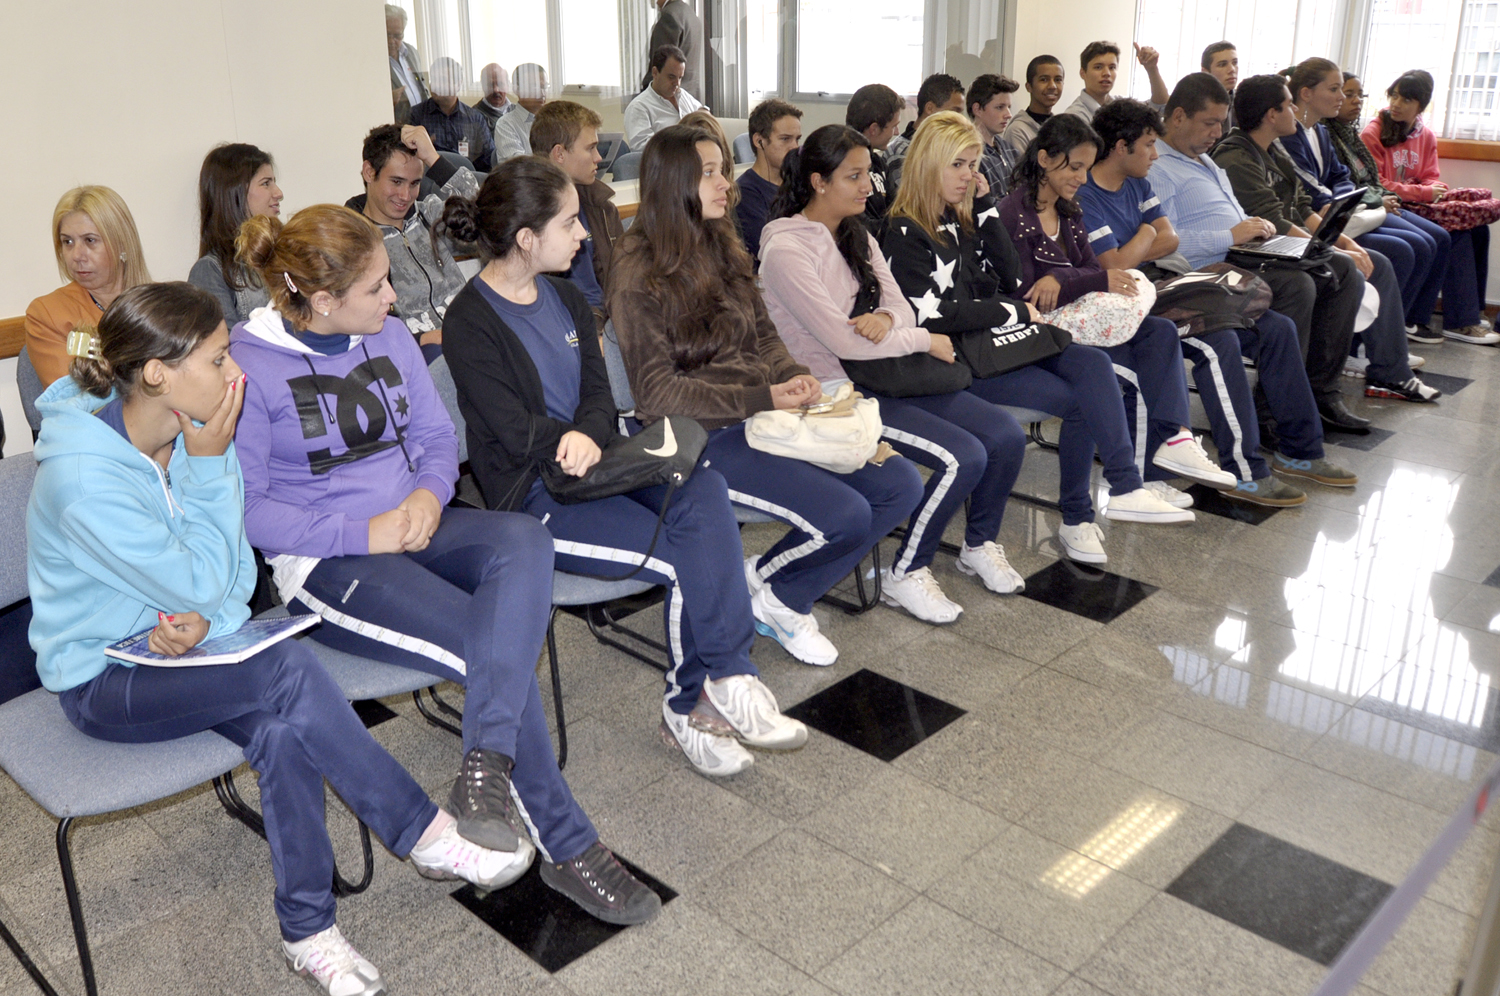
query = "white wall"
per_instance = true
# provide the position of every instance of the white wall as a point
(131, 95)
(1064, 31)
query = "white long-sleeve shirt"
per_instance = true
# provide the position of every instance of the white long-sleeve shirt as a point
(650, 112)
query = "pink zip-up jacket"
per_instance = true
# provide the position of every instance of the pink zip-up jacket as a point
(1410, 169)
(810, 290)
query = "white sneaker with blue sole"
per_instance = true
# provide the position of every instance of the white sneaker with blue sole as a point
(797, 633)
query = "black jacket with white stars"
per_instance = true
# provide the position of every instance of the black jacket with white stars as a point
(963, 280)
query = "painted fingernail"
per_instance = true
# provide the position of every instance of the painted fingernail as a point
(177, 413)
(171, 618)
(160, 616)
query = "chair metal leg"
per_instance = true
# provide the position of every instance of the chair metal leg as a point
(235, 805)
(867, 600)
(1034, 431)
(557, 698)
(596, 614)
(433, 717)
(75, 908)
(26, 962)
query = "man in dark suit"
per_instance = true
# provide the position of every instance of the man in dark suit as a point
(678, 24)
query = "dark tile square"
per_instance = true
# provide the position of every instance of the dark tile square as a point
(373, 712)
(1494, 579)
(1439, 703)
(548, 927)
(880, 716)
(1207, 499)
(1286, 894)
(1364, 443)
(1447, 383)
(1086, 591)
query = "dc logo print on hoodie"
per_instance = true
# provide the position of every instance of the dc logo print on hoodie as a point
(357, 412)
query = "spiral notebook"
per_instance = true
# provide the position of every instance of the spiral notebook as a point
(247, 641)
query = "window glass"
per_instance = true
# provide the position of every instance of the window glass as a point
(590, 44)
(839, 50)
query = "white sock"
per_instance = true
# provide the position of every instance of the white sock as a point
(439, 823)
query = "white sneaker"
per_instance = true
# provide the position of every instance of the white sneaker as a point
(1083, 543)
(451, 857)
(1477, 334)
(919, 593)
(1415, 362)
(748, 705)
(752, 576)
(1141, 505)
(332, 963)
(797, 633)
(988, 561)
(1355, 366)
(1169, 494)
(715, 756)
(1183, 456)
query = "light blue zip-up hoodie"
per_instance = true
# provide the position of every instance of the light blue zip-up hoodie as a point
(111, 543)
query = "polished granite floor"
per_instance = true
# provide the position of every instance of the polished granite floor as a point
(1195, 771)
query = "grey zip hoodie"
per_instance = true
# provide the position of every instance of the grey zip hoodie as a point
(425, 278)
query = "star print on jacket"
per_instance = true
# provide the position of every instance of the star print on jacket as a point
(958, 278)
(927, 306)
(942, 274)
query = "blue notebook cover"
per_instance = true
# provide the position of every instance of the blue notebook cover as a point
(247, 641)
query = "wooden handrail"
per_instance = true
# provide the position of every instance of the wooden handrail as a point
(1464, 148)
(12, 336)
(628, 210)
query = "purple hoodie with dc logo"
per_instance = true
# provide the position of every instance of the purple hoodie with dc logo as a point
(327, 443)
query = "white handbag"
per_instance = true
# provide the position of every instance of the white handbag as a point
(841, 439)
(1364, 221)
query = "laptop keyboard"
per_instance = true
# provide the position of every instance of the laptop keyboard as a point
(1290, 244)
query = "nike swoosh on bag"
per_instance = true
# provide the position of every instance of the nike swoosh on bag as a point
(669, 442)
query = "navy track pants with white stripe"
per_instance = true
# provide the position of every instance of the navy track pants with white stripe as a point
(472, 608)
(835, 518)
(698, 557)
(974, 449)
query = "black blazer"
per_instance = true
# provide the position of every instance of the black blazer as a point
(500, 393)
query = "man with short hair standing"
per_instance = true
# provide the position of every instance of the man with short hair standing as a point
(678, 25)
(494, 105)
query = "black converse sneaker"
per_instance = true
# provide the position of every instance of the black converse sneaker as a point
(598, 882)
(481, 803)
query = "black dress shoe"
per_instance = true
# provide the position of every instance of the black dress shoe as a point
(1338, 418)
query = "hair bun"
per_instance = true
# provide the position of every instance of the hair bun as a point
(255, 244)
(460, 219)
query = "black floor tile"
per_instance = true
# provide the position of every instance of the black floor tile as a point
(880, 716)
(1447, 383)
(1300, 900)
(1364, 443)
(1086, 591)
(1494, 579)
(1465, 711)
(372, 712)
(1212, 501)
(549, 928)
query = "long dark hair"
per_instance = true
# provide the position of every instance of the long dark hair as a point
(823, 152)
(697, 270)
(524, 192)
(164, 322)
(1413, 85)
(223, 183)
(1059, 136)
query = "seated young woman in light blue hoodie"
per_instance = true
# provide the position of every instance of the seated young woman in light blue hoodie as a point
(137, 517)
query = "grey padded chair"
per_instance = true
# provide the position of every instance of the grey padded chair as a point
(30, 386)
(744, 149)
(568, 590)
(627, 167)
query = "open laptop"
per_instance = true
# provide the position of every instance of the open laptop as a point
(1335, 219)
(611, 147)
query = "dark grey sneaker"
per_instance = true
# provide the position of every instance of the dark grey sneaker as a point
(481, 803)
(598, 882)
(1267, 491)
(1319, 470)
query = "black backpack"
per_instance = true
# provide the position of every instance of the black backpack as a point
(1217, 296)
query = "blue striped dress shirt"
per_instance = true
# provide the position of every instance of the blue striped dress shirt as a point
(1200, 203)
